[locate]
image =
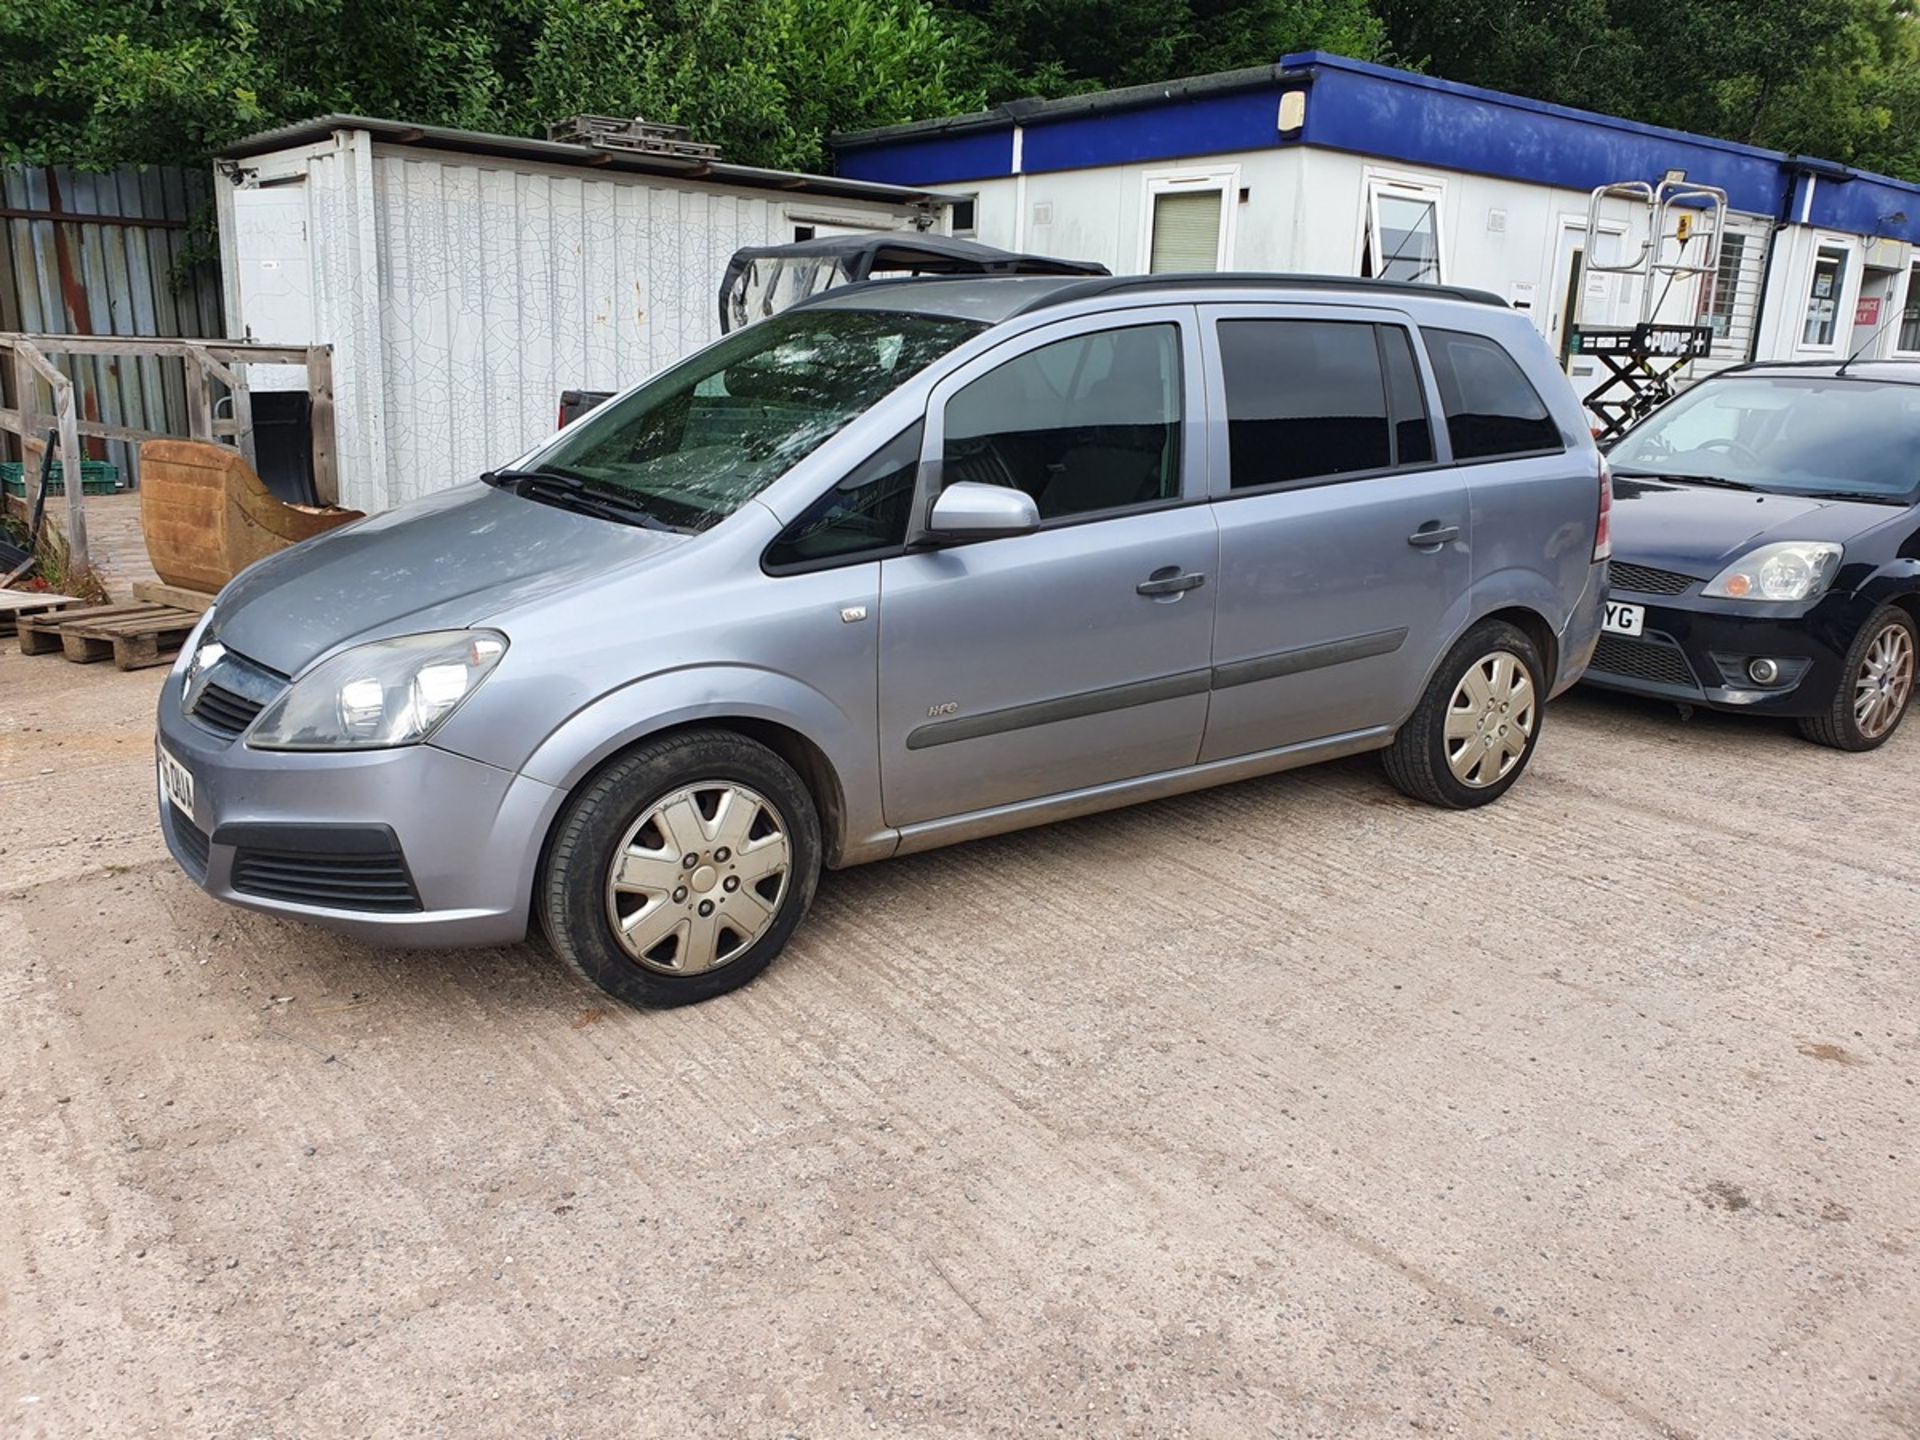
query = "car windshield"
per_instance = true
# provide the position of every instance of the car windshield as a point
(696, 443)
(1789, 434)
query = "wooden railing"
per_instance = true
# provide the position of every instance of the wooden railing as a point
(207, 362)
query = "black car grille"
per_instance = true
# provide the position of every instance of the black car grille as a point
(1656, 661)
(224, 711)
(189, 840)
(339, 882)
(1645, 580)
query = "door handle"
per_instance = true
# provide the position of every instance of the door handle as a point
(1432, 535)
(1168, 580)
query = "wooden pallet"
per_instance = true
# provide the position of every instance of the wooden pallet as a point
(133, 636)
(16, 604)
(178, 596)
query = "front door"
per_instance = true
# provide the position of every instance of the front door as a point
(1583, 295)
(1344, 547)
(1032, 665)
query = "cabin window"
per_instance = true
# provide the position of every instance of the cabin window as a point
(1717, 301)
(1189, 222)
(1403, 233)
(1910, 313)
(1823, 298)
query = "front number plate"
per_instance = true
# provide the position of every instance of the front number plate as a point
(1624, 619)
(176, 783)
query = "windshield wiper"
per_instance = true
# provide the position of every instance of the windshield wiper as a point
(506, 478)
(569, 491)
(1872, 497)
(1720, 482)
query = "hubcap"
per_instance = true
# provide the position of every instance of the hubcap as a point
(1885, 682)
(699, 877)
(1490, 719)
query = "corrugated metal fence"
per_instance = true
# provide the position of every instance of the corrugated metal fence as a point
(111, 253)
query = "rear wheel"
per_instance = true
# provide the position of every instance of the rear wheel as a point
(679, 872)
(1876, 686)
(1474, 730)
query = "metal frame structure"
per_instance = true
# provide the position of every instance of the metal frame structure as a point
(1642, 360)
(207, 361)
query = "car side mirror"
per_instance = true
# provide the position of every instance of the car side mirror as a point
(968, 510)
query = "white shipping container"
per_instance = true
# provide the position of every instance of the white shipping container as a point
(464, 280)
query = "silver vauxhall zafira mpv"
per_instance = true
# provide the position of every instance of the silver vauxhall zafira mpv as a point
(911, 563)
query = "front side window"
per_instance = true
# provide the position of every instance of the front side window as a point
(1823, 298)
(1081, 425)
(1790, 434)
(1492, 408)
(1403, 235)
(862, 517)
(696, 443)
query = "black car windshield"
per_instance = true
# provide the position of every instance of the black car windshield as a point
(698, 441)
(1789, 434)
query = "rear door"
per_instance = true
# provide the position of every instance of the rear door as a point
(1344, 543)
(1035, 664)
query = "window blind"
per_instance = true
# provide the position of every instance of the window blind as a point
(1186, 231)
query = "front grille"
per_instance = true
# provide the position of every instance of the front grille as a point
(1657, 661)
(189, 840)
(1645, 580)
(339, 882)
(225, 711)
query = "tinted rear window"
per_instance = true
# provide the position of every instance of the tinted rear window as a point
(1305, 398)
(1492, 408)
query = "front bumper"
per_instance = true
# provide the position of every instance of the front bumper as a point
(409, 846)
(1697, 651)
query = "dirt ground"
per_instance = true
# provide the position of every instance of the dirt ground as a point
(1290, 1109)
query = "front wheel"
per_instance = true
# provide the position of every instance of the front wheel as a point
(679, 871)
(1876, 684)
(1474, 730)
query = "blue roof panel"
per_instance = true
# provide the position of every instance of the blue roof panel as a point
(1373, 110)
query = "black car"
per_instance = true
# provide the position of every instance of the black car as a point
(1766, 548)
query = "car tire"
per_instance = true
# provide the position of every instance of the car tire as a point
(1456, 750)
(704, 843)
(1885, 647)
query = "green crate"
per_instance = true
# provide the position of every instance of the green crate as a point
(96, 478)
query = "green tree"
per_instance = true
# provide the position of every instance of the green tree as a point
(1017, 48)
(1835, 78)
(767, 79)
(96, 82)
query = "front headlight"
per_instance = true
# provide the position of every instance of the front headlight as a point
(1790, 570)
(197, 658)
(392, 692)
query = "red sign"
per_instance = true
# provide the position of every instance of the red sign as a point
(1867, 312)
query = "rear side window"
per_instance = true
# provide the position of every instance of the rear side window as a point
(1082, 425)
(1492, 409)
(863, 517)
(1412, 433)
(1315, 399)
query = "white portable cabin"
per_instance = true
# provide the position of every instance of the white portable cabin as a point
(1319, 164)
(464, 280)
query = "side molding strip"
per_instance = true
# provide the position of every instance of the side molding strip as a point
(1148, 692)
(1308, 657)
(1067, 707)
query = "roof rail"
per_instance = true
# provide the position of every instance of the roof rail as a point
(1232, 280)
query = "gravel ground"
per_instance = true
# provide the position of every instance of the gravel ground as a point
(1290, 1109)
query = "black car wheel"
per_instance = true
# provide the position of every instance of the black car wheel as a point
(1475, 729)
(679, 871)
(1876, 685)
